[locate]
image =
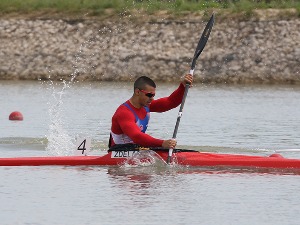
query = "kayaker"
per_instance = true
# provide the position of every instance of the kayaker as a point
(130, 121)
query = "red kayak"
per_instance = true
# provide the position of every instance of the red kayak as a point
(182, 157)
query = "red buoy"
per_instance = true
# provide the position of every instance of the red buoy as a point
(16, 116)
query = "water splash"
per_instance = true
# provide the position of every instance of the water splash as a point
(59, 141)
(85, 64)
(145, 158)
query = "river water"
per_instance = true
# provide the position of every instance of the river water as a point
(254, 120)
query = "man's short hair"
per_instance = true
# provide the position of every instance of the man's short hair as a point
(142, 81)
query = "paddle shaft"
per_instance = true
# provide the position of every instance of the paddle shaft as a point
(187, 86)
(201, 44)
(186, 90)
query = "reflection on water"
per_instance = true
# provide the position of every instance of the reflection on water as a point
(184, 195)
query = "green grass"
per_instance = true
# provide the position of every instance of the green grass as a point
(97, 7)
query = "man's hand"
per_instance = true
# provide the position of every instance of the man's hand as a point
(171, 143)
(187, 79)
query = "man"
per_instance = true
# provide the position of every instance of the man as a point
(130, 121)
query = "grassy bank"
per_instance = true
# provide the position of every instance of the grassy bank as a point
(102, 7)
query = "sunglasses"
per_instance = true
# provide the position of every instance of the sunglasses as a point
(148, 94)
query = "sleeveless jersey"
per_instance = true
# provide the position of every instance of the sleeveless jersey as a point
(141, 123)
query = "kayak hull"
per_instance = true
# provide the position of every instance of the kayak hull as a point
(105, 160)
(189, 158)
(232, 160)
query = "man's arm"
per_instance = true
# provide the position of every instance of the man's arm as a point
(167, 103)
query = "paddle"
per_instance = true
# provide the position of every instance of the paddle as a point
(199, 49)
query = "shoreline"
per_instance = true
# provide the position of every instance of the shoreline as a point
(264, 49)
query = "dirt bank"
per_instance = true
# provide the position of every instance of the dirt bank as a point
(261, 49)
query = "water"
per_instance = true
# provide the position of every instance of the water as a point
(250, 120)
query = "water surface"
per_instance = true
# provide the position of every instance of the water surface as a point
(256, 120)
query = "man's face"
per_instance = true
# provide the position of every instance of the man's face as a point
(146, 95)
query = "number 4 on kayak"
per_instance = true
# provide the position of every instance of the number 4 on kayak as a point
(83, 146)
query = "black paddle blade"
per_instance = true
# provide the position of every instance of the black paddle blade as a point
(203, 40)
